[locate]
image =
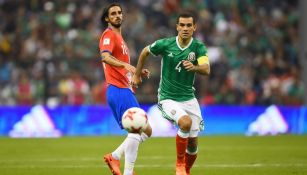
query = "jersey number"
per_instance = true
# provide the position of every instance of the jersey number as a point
(125, 50)
(178, 67)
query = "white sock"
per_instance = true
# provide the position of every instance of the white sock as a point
(117, 154)
(131, 152)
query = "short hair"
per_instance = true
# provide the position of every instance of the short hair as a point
(187, 14)
(105, 12)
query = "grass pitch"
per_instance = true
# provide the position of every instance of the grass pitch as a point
(218, 155)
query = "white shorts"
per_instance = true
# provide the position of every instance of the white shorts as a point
(173, 111)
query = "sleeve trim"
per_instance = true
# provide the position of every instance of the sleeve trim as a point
(105, 51)
(151, 52)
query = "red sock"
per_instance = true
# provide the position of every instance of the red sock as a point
(181, 145)
(189, 161)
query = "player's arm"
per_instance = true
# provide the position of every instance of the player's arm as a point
(136, 79)
(107, 58)
(203, 66)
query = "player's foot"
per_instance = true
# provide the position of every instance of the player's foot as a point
(113, 164)
(180, 169)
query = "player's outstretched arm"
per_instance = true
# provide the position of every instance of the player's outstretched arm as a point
(136, 79)
(107, 58)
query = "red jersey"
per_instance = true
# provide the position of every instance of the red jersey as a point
(114, 43)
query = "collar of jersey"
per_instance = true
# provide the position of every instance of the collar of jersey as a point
(185, 46)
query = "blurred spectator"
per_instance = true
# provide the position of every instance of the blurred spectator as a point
(74, 89)
(252, 45)
(24, 90)
(98, 93)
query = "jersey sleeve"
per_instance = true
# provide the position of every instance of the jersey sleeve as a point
(202, 54)
(106, 43)
(157, 47)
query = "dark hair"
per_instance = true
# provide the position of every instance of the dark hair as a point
(105, 13)
(187, 14)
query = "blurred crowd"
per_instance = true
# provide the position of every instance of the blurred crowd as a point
(49, 50)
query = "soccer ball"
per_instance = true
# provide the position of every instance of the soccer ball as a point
(135, 120)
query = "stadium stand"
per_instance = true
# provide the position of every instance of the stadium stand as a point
(49, 50)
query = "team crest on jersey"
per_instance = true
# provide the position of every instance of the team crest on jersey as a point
(106, 41)
(191, 56)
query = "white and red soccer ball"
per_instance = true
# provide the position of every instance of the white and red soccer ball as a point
(135, 120)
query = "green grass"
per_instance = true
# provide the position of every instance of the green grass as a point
(218, 155)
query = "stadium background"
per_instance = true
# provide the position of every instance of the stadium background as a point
(52, 85)
(49, 50)
(49, 56)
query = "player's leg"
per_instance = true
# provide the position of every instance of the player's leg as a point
(184, 124)
(131, 152)
(191, 153)
(113, 159)
(121, 149)
(172, 111)
(192, 148)
(133, 139)
(131, 148)
(193, 109)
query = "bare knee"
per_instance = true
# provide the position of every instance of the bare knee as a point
(185, 123)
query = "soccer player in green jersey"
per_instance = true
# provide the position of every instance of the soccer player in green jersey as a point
(182, 57)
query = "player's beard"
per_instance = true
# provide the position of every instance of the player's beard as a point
(116, 25)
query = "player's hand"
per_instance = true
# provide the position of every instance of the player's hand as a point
(129, 68)
(136, 80)
(145, 73)
(188, 65)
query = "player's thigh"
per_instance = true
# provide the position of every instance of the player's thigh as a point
(119, 100)
(171, 110)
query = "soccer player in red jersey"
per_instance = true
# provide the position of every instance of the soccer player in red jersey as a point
(120, 96)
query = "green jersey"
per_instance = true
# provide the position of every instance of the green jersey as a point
(176, 83)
